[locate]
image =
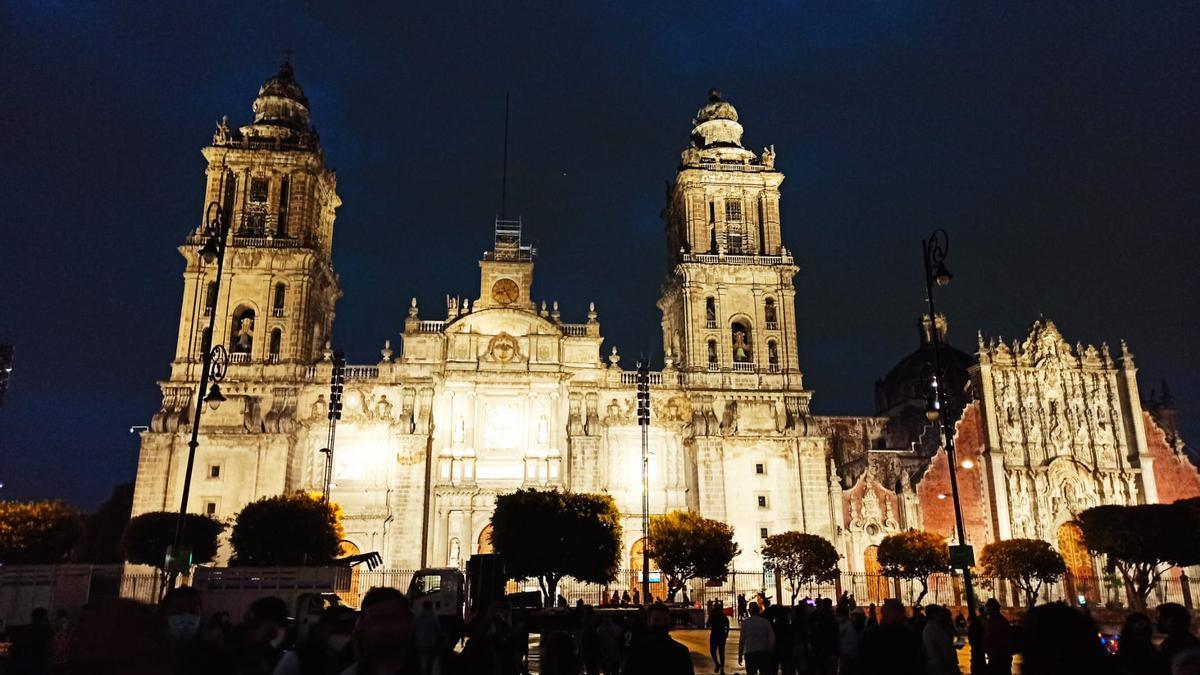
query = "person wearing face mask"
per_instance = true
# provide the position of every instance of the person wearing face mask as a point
(326, 650)
(657, 653)
(181, 609)
(260, 640)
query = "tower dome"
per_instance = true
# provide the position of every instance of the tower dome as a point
(716, 124)
(281, 110)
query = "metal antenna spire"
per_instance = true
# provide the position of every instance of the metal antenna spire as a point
(504, 173)
(287, 55)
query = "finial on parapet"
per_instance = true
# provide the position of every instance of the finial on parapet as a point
(1126, 355)
(412, 308)
(327, 352)
(591, 312)
(554, 314)
(386, 352)
(614, 358)
(543, 313)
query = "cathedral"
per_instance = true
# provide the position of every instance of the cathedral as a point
(498, 392)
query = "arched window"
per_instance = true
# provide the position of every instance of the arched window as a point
(741, 342)
(210, 298)
(279, 299)
(484, 542)
(769, 314)
(710, 311)
(241, 331)
(712, 354)
(773, 355)
(281, 224)
(276, 344)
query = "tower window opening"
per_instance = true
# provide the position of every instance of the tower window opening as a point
(733, 210)
(276, 344)
(762, 501)
(710, 312)
(712, 354)
(741, 342)
(204, 344)
(762, 230)
(769, 314)
(281, 224)
(773, 355)
(254, 222)
(279, 300)
(735, 239)
(258, 191)
(241, 334)
(760, 469)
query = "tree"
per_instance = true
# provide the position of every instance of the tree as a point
(548, 535)
(37, 532)
(103, 530)
(801, 558)
(286, 530)
(914, 554)
(148, 535)
(686, 546)
(1028, 563)
(1142, 541)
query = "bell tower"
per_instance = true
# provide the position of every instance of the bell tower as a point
(728, 301)
(276, 298)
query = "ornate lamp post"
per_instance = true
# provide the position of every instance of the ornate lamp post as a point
(643, 415)
(215, 361)
(934, 251)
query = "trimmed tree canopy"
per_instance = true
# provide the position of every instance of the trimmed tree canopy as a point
(1028, 563)
(286, 530)
(37, 532)
(103, 530)
(548, 535)
(147, 537)
(801, 558)
(686, 546)
(914, 554)
(1142, 541)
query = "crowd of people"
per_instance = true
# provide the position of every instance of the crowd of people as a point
(388, 636)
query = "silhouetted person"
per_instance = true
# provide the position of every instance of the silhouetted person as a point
(260, 640)
(891, 647)
(823, 632)
(872, 616)
(975, 638)
(558, 654)
(610, 638)
(741, 607)
(194, 652)
(386, 644)
(998, 639)
(848, 636)
(1186, 662)
(718, 634)
(1137, 655)
(938, 639)
(1059, 640)
(120, 637)
(756, 642)
(1176, 622)
(31, 644)
(637, 597)
(616, 600)
(657, 653)
(625, 601)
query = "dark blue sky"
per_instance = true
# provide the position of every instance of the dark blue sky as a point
(1058, 143)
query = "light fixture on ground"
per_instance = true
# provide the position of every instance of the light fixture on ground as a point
(934, 250)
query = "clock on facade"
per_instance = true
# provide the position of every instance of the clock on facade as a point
(505, 292)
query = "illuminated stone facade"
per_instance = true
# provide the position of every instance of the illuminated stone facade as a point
(498, 392)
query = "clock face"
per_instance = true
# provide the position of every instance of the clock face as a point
(505, 292)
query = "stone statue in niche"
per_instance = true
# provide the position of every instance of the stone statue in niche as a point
(768, 157)
(543, 430)
(245, 334)
(741, 350)
(383, 408)
(319, 407)
(455, 552)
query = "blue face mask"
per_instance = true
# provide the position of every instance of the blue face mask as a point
(183, 626)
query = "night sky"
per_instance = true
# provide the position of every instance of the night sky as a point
(1058, 143)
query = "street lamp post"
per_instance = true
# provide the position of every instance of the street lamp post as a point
(215, 361)
(934, 251)
(643, 414)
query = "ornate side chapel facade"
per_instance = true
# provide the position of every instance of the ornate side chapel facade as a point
(501, 392)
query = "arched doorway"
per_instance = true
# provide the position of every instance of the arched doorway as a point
(877, 584)
(1082, 576)
(484, 544)
(658, 585)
